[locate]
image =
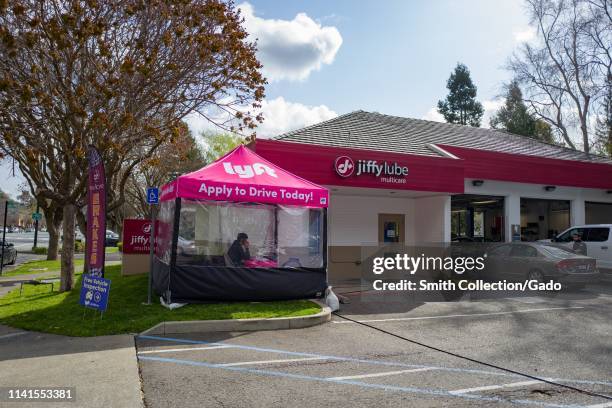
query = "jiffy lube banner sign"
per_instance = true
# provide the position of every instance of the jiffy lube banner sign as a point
(96, 214)
(136, 236)
(243, 176)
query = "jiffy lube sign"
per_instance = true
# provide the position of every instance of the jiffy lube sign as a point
(386, 172)
(136, 236)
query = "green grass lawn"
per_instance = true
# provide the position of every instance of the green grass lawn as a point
(32, 267)
(35, 267)
(52, 312)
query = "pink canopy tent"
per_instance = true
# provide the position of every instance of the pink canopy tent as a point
(243, 176)
(203, 214)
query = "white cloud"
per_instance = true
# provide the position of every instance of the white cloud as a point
(433, 115)
(291, 49)
(280, 116)
(490, 107)
(524, 34)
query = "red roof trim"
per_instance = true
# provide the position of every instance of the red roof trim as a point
(483, 164)
(316, 163)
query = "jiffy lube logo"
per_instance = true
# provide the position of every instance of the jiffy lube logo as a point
(345, 166)
(249, 171)
(388, 172)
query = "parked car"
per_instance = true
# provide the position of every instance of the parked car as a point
(186, 247)
(10, 253)
(598, 240)
(520, 261)
(112, 238)
(78, 236)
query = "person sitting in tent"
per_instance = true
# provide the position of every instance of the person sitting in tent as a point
(239, 250)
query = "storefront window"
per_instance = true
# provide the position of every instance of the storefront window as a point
(459, 223)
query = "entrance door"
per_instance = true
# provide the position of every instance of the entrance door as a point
(391, 228)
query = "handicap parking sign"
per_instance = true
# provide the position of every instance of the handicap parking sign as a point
(94, 292)
(152, 195)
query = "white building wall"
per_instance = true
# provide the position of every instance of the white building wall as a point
(512, 213)
(432, 219)
(353, 220)
(577, 211)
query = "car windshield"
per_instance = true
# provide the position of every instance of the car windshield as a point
(556, 251)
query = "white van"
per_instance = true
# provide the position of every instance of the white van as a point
(598, 239)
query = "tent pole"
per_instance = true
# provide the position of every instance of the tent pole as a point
(175, 231)
(276, 231)
(325, 243)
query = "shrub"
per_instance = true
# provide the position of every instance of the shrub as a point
(120, 246)
(79, 246)
(39, 250)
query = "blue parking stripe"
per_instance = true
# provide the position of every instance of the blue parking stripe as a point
(366, 361)
(385, 387)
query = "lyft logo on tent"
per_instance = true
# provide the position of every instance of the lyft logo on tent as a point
(248, 171)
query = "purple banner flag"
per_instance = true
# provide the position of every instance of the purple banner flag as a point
(96, 214)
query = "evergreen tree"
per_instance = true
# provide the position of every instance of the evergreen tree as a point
(514, 117)
(460, 105)
(543, 132)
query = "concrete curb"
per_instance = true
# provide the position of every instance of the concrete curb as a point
(275, 323)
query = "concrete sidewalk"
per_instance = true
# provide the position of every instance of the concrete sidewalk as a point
(103, 370)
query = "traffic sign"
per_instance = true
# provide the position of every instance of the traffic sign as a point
(36, 216)
(152, 195)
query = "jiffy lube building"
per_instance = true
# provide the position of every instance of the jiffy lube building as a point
(403, 180)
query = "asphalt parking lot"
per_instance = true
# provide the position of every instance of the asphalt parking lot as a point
(564, 338)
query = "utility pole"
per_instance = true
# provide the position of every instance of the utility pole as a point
(152, 200)
(3, 236)
(151, 254)
(36, 225)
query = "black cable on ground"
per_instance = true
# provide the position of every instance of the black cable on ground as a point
(593, 394)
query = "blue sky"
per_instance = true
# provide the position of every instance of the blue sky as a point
(395, 56)
(326, 58)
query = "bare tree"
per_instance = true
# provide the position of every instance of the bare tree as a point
(564, 74)
(181, 156)
(116, 74)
